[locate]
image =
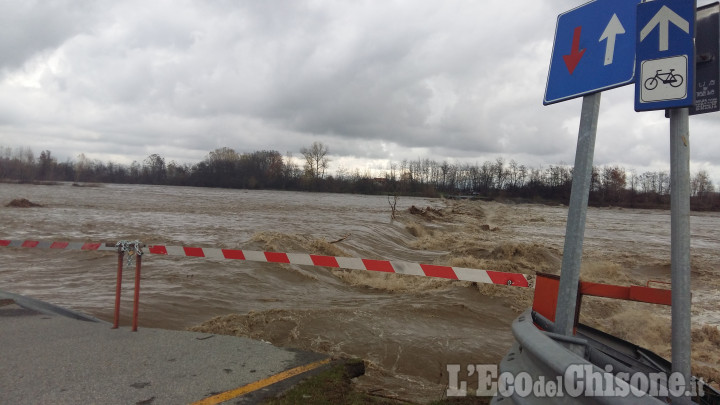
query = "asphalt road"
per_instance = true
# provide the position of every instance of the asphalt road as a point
(47, 358)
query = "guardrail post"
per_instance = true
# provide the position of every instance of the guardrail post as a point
(118, 288)
(136, 301)
(133, 248)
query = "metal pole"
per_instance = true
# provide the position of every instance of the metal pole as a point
(136, 301)
(118, 288)
(575, 229)
(680, 240)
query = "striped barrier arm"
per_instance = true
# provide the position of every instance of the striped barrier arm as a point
(56, 245)
(351, 263)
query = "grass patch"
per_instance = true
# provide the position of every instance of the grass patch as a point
(333, 386)
(330, 386)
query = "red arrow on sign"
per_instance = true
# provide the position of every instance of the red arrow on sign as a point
(572, 60)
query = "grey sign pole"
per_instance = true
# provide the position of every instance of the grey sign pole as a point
(575, 229)
(680, 239)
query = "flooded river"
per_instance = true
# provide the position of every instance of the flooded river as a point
(407, 328)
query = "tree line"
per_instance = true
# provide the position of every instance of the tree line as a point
(268, 169)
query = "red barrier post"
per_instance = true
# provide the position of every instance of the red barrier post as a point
(118, 288)
(136, 302)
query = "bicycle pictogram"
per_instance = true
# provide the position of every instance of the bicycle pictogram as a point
(673, 79)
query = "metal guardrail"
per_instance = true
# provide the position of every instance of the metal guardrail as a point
(46, 308)
(546, 356)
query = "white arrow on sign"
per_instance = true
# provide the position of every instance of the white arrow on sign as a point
(613, 29)
(662, 19)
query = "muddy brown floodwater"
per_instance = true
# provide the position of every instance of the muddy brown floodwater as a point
(407, 328)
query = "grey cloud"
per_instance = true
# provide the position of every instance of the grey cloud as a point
(455, 79)
(29, 27)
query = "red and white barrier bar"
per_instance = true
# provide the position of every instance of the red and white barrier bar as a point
(352, 263)
(56, 245)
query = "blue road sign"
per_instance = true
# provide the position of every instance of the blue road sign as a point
(594, 50)
(707, 67)
(665, 55)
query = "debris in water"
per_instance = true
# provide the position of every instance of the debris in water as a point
(341, 238)
(22, 203)
(428, 213)
(86, 185)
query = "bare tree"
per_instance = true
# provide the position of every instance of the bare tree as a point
(701, 185)
(316, 160)
(393, 204)
(291, 168)
(223, 154)
(154, 169)
(500, 174)
(82, 167)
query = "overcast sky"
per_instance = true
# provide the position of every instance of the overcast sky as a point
(374, 80)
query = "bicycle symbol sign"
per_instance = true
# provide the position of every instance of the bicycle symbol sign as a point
(665, 63)
(664, 79)
(669, 78)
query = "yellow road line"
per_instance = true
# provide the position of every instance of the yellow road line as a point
(228, 395)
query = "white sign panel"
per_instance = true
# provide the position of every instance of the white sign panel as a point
(664, 79)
